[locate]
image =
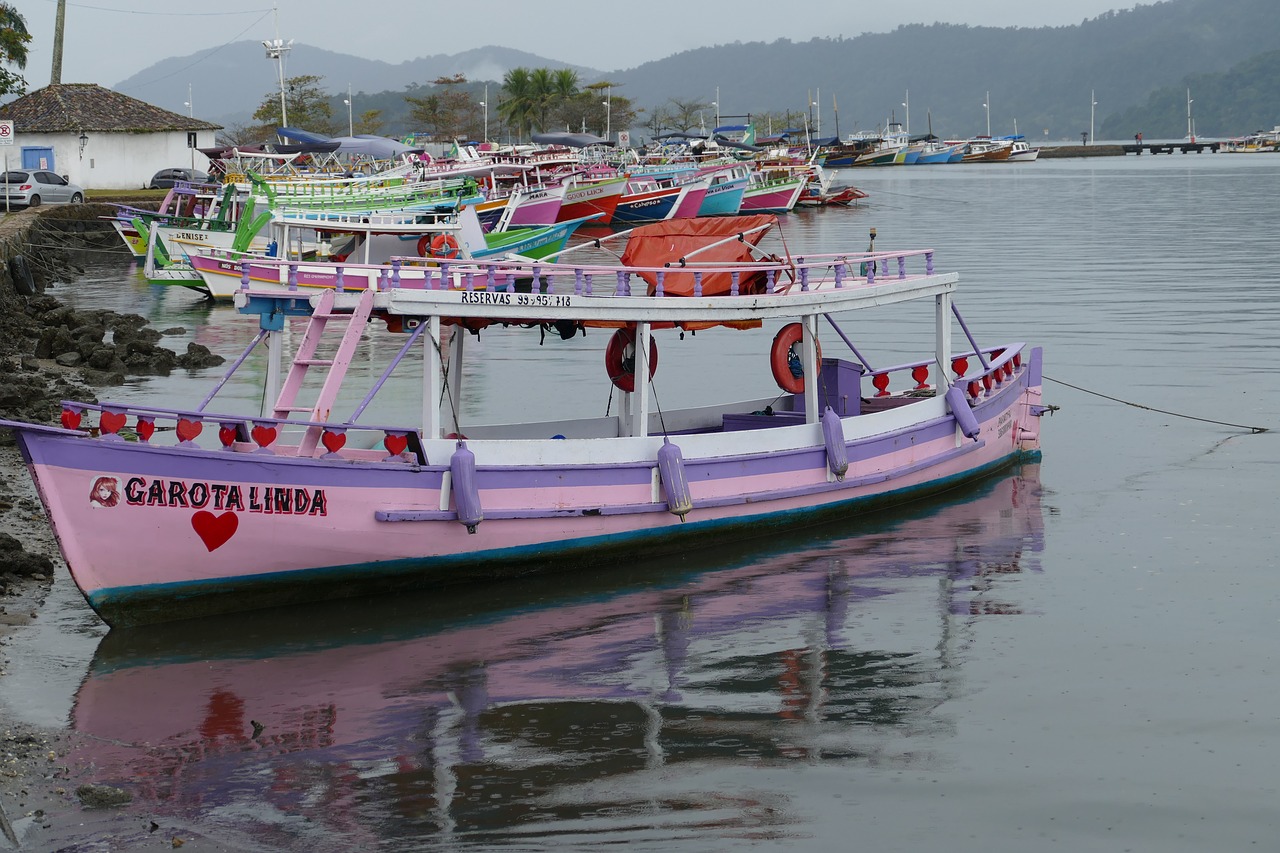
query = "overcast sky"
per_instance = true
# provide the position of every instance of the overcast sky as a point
(106, 41)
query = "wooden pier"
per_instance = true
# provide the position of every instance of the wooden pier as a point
(1170, 147)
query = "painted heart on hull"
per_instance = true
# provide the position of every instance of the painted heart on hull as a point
(215, 530)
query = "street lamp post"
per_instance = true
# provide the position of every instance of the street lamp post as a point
(191, 113)
(906, 105)
(485, 105)
(1191, 128)
(276, 49)
(986, 105)
(351, 128)
(716, 104)
(608, 112)
(1092, 104)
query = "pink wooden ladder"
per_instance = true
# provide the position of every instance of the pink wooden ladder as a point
(305, 358)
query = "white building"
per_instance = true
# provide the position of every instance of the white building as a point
(101, 139)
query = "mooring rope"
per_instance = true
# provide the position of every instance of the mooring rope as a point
(1252, 429)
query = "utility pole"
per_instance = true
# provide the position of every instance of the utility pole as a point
(55, 74)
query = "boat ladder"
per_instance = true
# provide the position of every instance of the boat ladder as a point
(304, 358)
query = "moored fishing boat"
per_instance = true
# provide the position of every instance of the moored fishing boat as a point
(302, 500)
(772, 192)
(378, 250)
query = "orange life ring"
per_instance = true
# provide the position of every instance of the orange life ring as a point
(620, 359)
(783, 356)
(439, 246)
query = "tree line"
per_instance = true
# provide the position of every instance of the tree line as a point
(527, 101)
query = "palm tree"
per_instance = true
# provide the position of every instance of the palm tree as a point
(543, 90)
(517, 108)
(14, 39)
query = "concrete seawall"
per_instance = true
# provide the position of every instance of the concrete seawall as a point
(1050, 152)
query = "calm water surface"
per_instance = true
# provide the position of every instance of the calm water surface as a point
(1079, 655)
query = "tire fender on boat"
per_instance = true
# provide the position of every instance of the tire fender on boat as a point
(20, 271)
(785, 361)
(620, 359)
(959, 406)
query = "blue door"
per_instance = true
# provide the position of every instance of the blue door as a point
(37, 157)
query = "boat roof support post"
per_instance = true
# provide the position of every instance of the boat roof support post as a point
(432, 381)
(809, 358)
(453, 386)
(640, 398)
(942, 337)
(275, 362)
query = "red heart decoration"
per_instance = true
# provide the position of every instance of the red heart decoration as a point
(333, 441)
(188, 430)
(263, 435)
(214, 530)
(112, 422)
(70, 419)
(227, 435)
(395, 444)
(146, 429)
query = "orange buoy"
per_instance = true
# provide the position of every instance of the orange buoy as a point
(785, 360)
(620, 359)
(444, 246)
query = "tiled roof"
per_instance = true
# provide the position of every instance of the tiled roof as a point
(73, 107)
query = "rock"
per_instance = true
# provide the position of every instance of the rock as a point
(198, 355)
(69, 359)
(103, 796)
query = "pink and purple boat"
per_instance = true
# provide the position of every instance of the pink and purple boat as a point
(304, 500)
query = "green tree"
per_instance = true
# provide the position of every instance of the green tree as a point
(14, 39)
(516, 107)
(308, 107)
(370, 122)
(449, 111)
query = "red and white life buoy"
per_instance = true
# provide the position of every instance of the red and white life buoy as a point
(785, 359)
(620, 359)
(439, 246)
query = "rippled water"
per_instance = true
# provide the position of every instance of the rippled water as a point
(1080, 655)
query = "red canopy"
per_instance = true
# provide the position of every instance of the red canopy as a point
(667, 242)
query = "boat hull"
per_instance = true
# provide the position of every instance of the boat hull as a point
(595, 198)
(198, 530)
(648, 206)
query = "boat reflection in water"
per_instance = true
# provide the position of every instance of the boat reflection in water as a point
(374, 721)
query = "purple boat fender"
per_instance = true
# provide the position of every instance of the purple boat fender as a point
(674, 482)
(466, 494)
(837, 452)
(964, 416)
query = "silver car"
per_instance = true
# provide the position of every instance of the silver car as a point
(36, 187)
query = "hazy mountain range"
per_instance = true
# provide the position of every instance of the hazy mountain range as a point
(1135, 65)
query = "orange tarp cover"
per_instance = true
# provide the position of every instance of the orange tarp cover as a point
(667, 242)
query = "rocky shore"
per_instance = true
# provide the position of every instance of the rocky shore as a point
(49, 353)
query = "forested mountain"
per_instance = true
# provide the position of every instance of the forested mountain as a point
(1136, 65)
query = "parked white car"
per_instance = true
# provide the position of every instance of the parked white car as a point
(32, 188)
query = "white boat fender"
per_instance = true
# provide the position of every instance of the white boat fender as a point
(674, 483)
(964, 416)
(833, 434)
(466, 494)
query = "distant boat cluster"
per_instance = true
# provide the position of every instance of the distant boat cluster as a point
(898, 148)
(367, 201)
